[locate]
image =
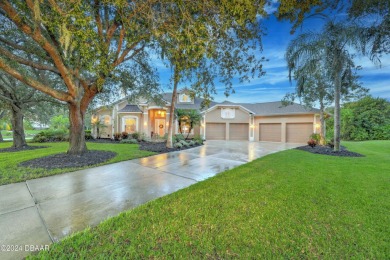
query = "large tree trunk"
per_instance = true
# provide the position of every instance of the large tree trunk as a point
(77, 145)
(19, 139)
(172, 109)
(337, 94)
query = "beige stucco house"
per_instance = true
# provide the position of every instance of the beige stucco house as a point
(269, 121)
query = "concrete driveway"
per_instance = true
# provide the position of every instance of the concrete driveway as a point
(38, 212)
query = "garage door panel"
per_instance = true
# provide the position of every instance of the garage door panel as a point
(298, 132)
(271, 132)
(238, 131)
(215, 131)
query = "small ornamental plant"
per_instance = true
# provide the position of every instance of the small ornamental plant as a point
(117, 136)
(125, 135)
(312, 143)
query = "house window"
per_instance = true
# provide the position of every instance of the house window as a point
(106, 120)
(129, 124)
(184, 98)
(228, 113)
(160, 114)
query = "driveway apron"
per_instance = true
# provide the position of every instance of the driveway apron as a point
(36, 213)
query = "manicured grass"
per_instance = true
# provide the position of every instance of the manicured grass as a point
(10, 172)
(291, 204)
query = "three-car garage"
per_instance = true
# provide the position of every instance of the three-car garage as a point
(229, 122)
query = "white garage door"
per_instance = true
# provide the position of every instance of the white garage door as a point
(270, 132)
(215, 131)
(298, 132)
(239, 131)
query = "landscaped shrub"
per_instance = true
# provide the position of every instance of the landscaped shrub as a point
(51, 136)
(135, 135)
(40, 139)
(142, 137)
(312, 143)
(178, 145)
(198, 139)
(330, 143)
(117, 136)
(129, 141)
(192, 143)
(125, 135)
(184, 143)
(88, 135)
(178, 138)
(315, 137)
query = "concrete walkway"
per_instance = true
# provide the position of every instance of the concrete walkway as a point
(39, 212)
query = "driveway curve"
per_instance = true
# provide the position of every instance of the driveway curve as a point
(36, 213)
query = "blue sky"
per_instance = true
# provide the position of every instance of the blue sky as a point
(275, 84)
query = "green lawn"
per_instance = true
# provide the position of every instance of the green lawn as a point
(10, 172)
(291, 204)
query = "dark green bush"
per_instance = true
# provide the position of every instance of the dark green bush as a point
(88, 135)
(178, 138)
(198, 139)
(135, 135)
(51, 136)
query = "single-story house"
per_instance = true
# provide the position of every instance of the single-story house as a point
(270, 121)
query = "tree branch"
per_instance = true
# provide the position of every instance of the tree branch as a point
(61, 95)
(22, 48)
(27, 62)
(98, 20)
(37, 36)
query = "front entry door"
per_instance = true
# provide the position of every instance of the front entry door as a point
(160, 127)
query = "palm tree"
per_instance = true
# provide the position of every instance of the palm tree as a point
(330, 47)
(188, 117)
(312, 86)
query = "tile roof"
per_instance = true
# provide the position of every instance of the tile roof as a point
(277, 108)
(131, 108)
(259, 109)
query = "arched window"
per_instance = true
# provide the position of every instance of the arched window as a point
(184, 98)
(228, 113)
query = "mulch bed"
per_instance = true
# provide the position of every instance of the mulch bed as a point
(64, 160)
(92, 157)
(326, 150)
(24, 148)
(157, 147)
(160, 147)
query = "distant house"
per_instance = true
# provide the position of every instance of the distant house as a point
(269, 121)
